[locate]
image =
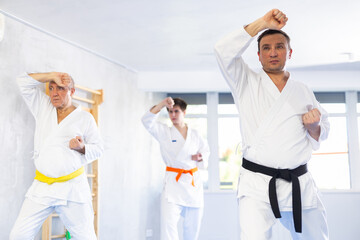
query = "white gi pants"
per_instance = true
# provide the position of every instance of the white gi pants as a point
(78, 219)
(257, 219)
(170, 216)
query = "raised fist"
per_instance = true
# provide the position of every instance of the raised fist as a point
(61, 79)
(168, 102)
(275, 19)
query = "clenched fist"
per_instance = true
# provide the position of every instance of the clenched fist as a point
(197, 157)
(62, 79)
(311, 122)
(168, 102)
(275, 19)
(77, 144)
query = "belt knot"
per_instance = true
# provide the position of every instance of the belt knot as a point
(180, 171)
(284, 174)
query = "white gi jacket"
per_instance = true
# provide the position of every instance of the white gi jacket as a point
(52, 155)
(271, 124)
(176, 153)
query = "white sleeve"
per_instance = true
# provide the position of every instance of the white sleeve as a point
(205, 153)
(34, 96)
(228, 53)
(156, 129)
(94, 146)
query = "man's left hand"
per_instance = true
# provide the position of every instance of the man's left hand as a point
(77, 144)
(311, 122)
(197, 157)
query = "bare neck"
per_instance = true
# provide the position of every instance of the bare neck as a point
(182, 128)
(64, 112)
(279, 78)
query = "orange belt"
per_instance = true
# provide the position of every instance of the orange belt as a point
(181, 171)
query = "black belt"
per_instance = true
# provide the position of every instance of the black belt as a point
(288, 175)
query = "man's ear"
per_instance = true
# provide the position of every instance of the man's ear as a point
(290, 53)
(72, 91)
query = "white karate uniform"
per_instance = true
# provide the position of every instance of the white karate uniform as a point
(179, 198)
(54, 158)
(273, 134)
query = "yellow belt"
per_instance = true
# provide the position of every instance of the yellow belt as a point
(49, 180)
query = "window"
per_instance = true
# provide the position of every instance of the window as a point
(230, 156)
(215, 116)
(229, 142)
(330, 164)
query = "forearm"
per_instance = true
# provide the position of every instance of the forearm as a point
(274, 19)
(43, 77)
(315, 133)
(157, 108)
(255, 27)
(81, 150)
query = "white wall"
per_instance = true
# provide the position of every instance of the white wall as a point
(129, 181)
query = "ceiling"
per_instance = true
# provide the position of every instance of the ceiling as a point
(169, 35)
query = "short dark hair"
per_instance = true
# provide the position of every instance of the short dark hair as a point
(271, 32)
(179, 102)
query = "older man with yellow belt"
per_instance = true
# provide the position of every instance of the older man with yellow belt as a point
(66, 139)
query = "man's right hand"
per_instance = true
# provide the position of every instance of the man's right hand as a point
(274, 19)
(61, 79)
(167, 102)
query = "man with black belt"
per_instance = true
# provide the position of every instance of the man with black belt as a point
(281, 124)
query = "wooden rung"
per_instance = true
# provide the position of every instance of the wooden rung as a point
(91, 175)
(83, 99)
(57, 236)
(54, 215)
(86, 109)
(88, 89)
